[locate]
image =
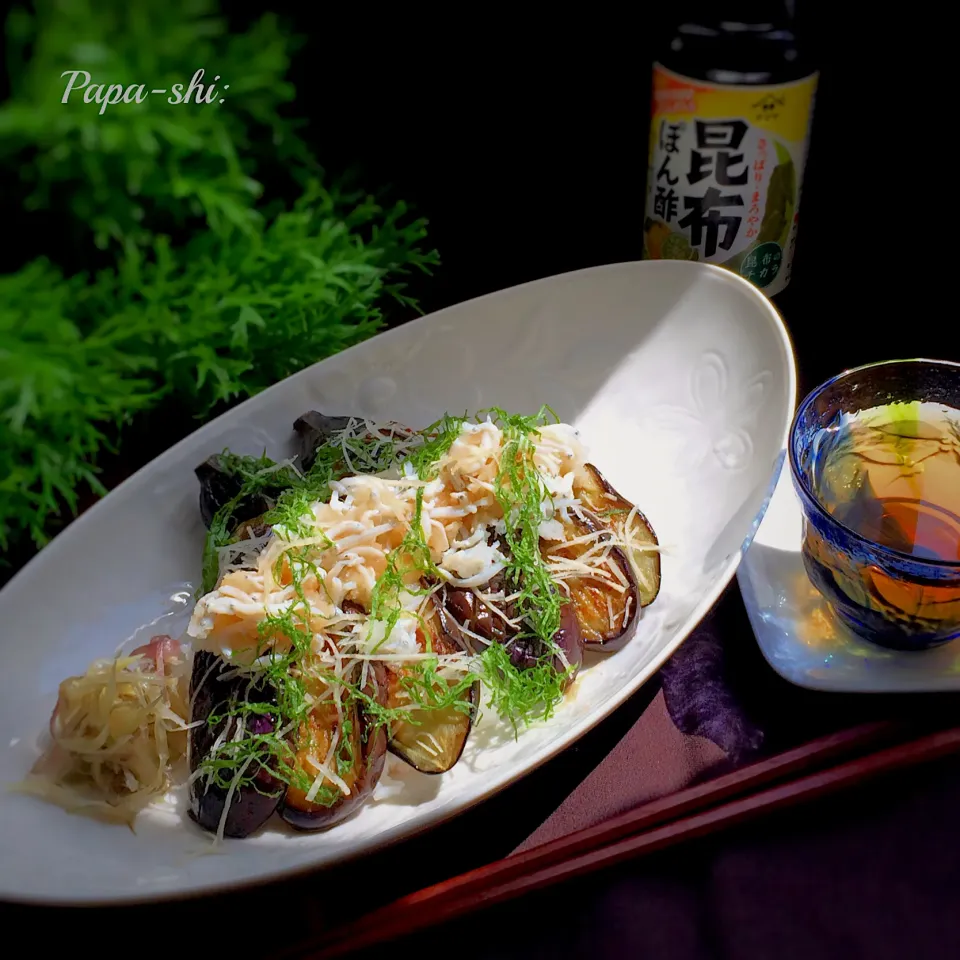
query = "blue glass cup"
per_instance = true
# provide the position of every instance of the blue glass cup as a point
(875, 460)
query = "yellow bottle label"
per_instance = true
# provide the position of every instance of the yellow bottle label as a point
(726, 167)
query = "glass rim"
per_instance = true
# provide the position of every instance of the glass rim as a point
(800, 478)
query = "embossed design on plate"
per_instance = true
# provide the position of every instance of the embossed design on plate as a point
(713, 424)
(369, 383)
(534, 344)
(376, 393)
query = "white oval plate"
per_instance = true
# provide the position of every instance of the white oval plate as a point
(682, 381)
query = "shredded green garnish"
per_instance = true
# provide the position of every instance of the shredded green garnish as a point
(519, 696)
(258, 477)
(520, 493)
(412, 556)
(438, 439)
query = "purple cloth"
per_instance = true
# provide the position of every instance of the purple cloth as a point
(695, 726)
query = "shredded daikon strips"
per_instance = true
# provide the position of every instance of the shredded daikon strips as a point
(564, 568)
(490, 602)
(242, 554)
(360, 427)
(325, 770)
(352, 536)
(479, 640)
(632, 544)
(117, 732)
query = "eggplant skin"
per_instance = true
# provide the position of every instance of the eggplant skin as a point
(528, 652)
(313, 430)
(466, 609)
(569, 638)
(612, 508)
(370, 748)
(254, 527)
(594, 600)
(250, 806)
(436, 741)
(218, 486)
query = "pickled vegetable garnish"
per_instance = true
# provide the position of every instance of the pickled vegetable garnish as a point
(117, 730)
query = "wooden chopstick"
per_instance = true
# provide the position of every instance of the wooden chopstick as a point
(814, 785)
(689, 812)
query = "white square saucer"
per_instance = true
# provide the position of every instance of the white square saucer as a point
(799, 635)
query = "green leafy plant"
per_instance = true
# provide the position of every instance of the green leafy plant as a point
(217, 286)
(227, 317)
(62, 396)
(140, 168)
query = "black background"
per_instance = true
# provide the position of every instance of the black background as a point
(522, 137)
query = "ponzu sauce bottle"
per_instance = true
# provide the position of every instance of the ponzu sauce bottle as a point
(732, 108)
